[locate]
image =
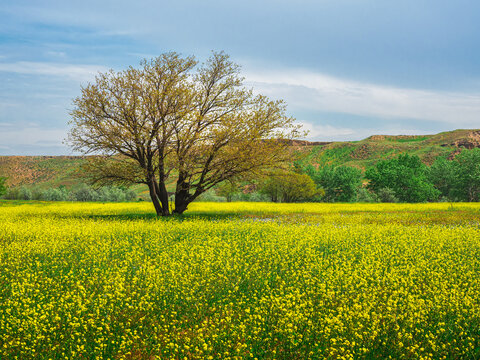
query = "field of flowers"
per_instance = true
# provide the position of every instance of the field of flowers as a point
(240, 281)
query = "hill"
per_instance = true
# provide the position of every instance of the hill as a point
(367, 152)
(54, 171)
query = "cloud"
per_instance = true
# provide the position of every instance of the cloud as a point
(32, 139)
(72, 71)
(316, 131)
(31, 136)
(304, 89)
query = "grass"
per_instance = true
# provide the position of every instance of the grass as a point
(239, 280)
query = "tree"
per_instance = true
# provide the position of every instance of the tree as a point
(340, 183)
(442, 174)
(406, 176)
(466, 167)
(289, 187)
(228, 189)
(175, 118)
(3, 187)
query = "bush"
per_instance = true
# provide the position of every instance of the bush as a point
(84, 193)
(210, 196)
(387, 195)
(253, 196)
(55, 195)
(366, 196)
(25, 193)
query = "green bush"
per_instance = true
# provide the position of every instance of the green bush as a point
(366, 196)
(387, 195)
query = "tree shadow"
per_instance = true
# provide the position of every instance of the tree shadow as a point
(172, 218)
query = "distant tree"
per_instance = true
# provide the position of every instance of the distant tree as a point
(289, 187)
(3, 186)
(443, 175)
(406, 176)
(228, 189)
(340, 183)
(165, 119)
(84, 193)
(25, 193)
(130, 195)
(58, 194)
(466, 167)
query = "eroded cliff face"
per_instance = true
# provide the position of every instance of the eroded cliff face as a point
(471, 141)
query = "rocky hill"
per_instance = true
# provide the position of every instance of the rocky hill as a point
(367, 152)
(53, 171)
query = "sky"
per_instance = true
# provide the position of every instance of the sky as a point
(347, 69)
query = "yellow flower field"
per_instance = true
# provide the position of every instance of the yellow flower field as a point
(240, 281)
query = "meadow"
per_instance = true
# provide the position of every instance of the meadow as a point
(240, 281)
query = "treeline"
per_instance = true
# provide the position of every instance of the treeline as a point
(80, 193)
(401, 179)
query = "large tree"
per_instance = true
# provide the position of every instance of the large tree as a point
(175, 117)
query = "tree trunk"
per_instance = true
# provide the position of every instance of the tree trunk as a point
(162, 195)
(181, 201)
(154, 197)
(182, 195)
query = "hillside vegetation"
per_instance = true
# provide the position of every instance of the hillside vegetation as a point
(367, 152)
(54, 171)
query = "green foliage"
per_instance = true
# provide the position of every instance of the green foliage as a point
(466, 167)
(228, 189)
(58, 194)
(458, 180)
(387, 195)
(3, 187)
(20, 193)
(84, 193)
(289, 187)
(366, 196)
(442, 174)
(81, 193)
(340, 183)
(210, 196)
(406, 176)
(253, 196)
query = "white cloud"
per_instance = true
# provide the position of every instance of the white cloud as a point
(32, 136)
(309, 90)
(325, 131)
(72, 71)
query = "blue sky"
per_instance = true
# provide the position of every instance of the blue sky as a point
(347, 68)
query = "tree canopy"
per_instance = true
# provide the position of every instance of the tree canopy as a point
(458, 179)
(340, 183)
(288, 187)
(173, 119)
(406, 176)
